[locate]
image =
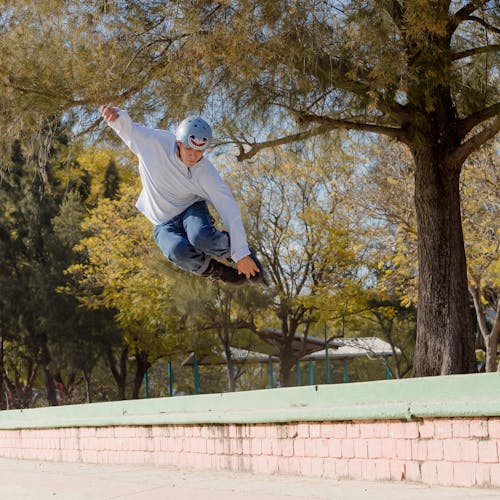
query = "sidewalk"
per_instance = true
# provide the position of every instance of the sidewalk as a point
(22, 479)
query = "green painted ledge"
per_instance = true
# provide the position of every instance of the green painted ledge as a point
(408, 399)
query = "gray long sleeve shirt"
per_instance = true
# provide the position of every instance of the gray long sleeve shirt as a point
(169, 187)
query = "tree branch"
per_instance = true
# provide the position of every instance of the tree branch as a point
(475, 142)
(88, 129)
(481, 319)
(463, 14)
(394, 132)
(256, 147)
(326, 124)
(468, 9)
(495, 331)
(475, 51)
(116, 100)
(485, 24)
(465, 125)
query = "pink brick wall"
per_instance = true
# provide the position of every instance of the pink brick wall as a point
(454, 451)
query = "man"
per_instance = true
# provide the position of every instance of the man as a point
(177, 181)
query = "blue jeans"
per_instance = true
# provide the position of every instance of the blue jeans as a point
(190, 239)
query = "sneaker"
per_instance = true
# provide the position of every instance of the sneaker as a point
(260, 277)
(218, 271)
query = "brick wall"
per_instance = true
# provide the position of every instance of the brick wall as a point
(445, 451)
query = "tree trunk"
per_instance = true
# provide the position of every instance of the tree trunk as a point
(288, 358)
(2, 404)
(87, 375)
(142, 365)
(287, 361)
(489, 337)
(119, 373)
(230, 367)
(49, 379)
(491, 353)
(386, 326)
(445, 342)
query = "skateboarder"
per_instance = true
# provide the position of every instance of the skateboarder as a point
(177, 181)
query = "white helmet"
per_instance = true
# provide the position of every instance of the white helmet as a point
(194, 132)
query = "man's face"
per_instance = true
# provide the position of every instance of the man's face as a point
(189, 156)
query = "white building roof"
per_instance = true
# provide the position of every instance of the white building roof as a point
(237, 355)
(343, 348)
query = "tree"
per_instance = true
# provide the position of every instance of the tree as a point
(120, 274)
(384, 195)
(480, 182)
(95, 335)
(224, 312)
(296, 216)
(396, 324)
(35, 316)
(388, 188)
(422, 72)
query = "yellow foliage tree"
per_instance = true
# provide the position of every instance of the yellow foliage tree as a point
(297, 214)
(481, 215)
(121, 273)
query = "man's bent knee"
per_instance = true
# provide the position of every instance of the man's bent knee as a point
(203, 239)
(177, 251)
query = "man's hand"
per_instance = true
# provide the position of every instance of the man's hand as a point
(247, 267)
(109, 114)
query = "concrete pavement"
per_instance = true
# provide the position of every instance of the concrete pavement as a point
(23, 479)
